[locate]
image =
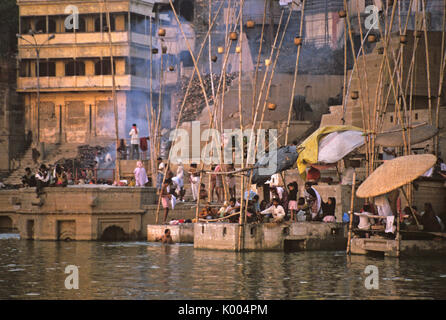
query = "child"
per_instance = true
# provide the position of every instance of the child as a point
(203, 193)
(302, 210)
(292, 198)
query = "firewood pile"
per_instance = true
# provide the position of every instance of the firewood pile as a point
(195, 102)
(86, 157)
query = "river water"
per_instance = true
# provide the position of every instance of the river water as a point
(142, 270)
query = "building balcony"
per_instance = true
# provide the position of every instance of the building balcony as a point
(91, 83)
(85, 43)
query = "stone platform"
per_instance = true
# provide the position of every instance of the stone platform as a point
(181, 233)
(296, 236)
(411, 248)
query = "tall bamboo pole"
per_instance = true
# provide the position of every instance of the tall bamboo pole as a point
(115, 106)
(254, 91)
(185, 98)
(242, 178)
(296, 67)
(440, 84)
(350, 224)
(428, 73)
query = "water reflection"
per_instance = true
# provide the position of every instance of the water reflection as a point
(140, 270)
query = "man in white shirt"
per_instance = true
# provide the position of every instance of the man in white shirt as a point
(276, 210)
(134, 141)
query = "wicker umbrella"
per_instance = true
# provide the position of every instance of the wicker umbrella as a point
(394, 137)
(394, 174)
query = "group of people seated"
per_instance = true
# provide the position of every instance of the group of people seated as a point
(45, 177)
(284, 206)
(372, 216)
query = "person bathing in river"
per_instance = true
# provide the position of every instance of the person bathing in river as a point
(165, 238)
(276, 210)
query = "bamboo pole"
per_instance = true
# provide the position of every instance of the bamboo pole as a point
(262, 88)
(201, 84)
(350, 224)
(242, 218)
(366, 98)
(152, 142)
(254, 91)
(184, 100)
(115, 106)
(426, 44)
(344, 88)
(296, 67)
(440, 84)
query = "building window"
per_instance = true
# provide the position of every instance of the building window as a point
(82, 26)
(186, 59)
(138, 67)
(104, 27)
(103, 67)
(41, 25)
(75, 68)
(391, 119)
(185, 8)
(26, 25)
(416, 116)
(51, 25)
(137, 23)
(47, 69)
(25, 68)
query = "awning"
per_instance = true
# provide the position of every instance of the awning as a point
(328, 145)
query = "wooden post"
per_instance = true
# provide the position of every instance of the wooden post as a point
(350, 224)
(398, 235)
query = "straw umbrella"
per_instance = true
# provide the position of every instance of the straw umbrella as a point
(394, 174)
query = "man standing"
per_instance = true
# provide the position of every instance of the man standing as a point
(134, 141)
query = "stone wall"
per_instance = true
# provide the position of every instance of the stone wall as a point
(271, 236)
(12, 134)
(79, 213)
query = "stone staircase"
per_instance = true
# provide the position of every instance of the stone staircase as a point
(332, 118)
(53, 155)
